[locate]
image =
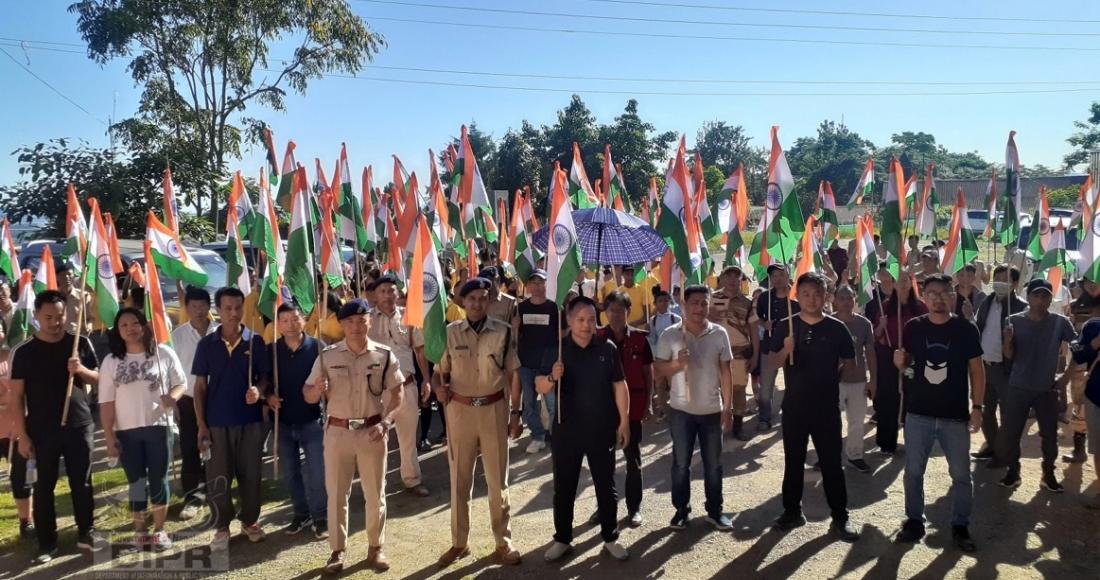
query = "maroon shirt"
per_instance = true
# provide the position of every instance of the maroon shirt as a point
(636, 355)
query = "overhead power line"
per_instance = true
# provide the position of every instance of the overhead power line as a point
(51, 87)
(849, 13)
(727, 23)
(1022, 47)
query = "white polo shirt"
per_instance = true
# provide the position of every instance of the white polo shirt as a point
(185, 340)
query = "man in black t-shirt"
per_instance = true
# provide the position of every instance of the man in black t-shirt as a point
(940, 353)
(772, 307)
(40, 370)
(536, 328)
(594, 420)
(821, 346)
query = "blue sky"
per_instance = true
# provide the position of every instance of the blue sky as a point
(378, 119)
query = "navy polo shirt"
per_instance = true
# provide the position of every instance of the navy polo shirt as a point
(294, 368)
(225, 368)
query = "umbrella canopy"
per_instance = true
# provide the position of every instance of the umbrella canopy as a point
(609, 237)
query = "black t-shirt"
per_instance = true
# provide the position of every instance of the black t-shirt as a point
(778, 312)
(538, 334)
(44, 368)
(814, 379)
(587, 399)
(940, 386)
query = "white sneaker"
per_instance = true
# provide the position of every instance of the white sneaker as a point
(535, 446)
(616, 551)
(557, 550)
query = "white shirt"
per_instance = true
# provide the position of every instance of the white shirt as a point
(702, 394)
(401, 339)
(991, 335)
(185, 339)
(135, 384)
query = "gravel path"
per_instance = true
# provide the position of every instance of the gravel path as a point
(1022, 533)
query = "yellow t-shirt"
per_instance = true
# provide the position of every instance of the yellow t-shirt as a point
(454, 312)
(252, 317)
(331, 331)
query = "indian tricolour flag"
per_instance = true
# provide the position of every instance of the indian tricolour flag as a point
(783, 216)
(471, 190)
(613, 181)
(708, 223)
(266, 238)
(331, 266)
(298, 275)
(1089, 262)
(373, 227)
(675, 221)
(20, 326)
(580, 189)
(269, 152)
(170, 255)
(286, 180)
(46, 277)
(651, 207)
(9, 259)
(961, 248)
(106, 286)
(171, 210)
(1009, 227)
(1037, 244)
(893, 216)
(866, 184)
(155, 312)
(732, 211)
(439, 210)
(1055, 263)
(426, 302)
(76, 231)
(866, 260)
(830, 223)
(236, 267)
(352, 227)
(926, 212)
(563, 253)
(809, 258)
(991, 226)
(523, 256)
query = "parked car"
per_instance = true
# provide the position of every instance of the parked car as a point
(1072, 240)
(250, 255)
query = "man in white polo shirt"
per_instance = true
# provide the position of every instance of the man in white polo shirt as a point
(185, 338)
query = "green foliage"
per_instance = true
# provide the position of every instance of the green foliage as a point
(202, 64)
(1086, 139)
(633, 147)
(124, 187)
(915, 150)
(836, 154)
(1063, 196)
(725, 146)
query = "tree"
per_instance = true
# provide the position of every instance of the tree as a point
(517, 164)
(915, 150)
(1086, 139)
(722, 145)
(836, 154)
(203, 63)
(126, 187)
(636, 148)
(576, 123)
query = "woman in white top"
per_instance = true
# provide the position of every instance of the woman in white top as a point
(140, 384)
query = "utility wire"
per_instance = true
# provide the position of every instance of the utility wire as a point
(726, 22)
(51, 87)
(878, 44)
(848, 13)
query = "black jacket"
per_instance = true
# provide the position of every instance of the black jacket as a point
(1018, 306)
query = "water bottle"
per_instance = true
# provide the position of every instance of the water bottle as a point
(32, 472)
(112, 460)
(205, 454)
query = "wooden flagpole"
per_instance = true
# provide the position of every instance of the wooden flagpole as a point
(79, 328)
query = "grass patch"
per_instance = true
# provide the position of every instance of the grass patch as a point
(104, 483)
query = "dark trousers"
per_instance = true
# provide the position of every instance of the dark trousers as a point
(426, 416)
(633, 455)
(17, 469)
(75, 445)
(996, 381)
(685, 428)
(235, 453)
(820, 423)
(887, 400)
(1016, 405)
(146, 455)
(568, 451)
(192, 474)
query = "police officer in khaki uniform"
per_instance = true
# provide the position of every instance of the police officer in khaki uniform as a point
(66, 283)
(407, 344)
(353, 376)
(732, 310)
(478, 383)
(502, 306)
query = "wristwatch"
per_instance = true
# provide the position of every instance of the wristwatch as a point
(516, 412)
(978, 407)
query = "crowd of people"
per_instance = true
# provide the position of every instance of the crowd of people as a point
(936, 357)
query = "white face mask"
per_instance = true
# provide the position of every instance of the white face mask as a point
(1001, 289)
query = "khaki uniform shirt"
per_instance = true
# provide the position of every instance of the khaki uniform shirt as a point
(72, 311)
(733, 314)
(503, 308)
(401, 339)
(356, 381)
(479, 363)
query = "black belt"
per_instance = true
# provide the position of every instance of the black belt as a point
(355, 424)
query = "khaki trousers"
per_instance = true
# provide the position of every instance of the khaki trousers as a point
(405, 423)
(472, 431)
(344, 451)
(1077, 421)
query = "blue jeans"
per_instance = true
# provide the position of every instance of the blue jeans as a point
(145, 455)
(921, 432)
(532, 411)
(765, 391)
(305, 480)
(685, 428)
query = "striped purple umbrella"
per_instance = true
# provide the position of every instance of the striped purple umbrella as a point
(610, 237)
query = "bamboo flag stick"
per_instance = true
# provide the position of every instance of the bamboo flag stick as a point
(76, 339)
(275, 372)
